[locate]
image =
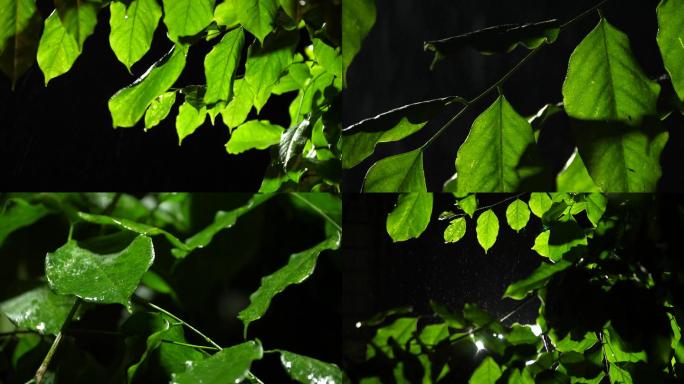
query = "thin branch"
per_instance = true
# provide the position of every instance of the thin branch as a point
(40, 373)
(500, 319)
(171, 315)
(320, 212)
(190, 345)
(582, 15)
(454, 216)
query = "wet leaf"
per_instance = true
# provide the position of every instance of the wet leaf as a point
(159, 109)
(39, 310)
(189, 118)
(292, 143)
(132, 28)
(410, 217)
(18, 215)
(400, 173)
(229, 365)
(307, 370)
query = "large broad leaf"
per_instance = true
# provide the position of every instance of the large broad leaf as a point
(487, 373)
(410, 217)
(498, 154)
(129, 104)
(559, 240)
(359, 140)
(229, 365)
(258, 16)
(537, 279)
(399, 173)
(159, 109)
(57, 49)
(254, 134)
(20, 25)
(487, 229)
(103, 279)
(358, 17)
(185, 18)
(220, 65)
(671, 41)
(517, 215)
(575, 177)
(300, 266)
(328, 57)
(79, 17)
(132, 29)
(18, 215)
(39, 309)
(307, 370)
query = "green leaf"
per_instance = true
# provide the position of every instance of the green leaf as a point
(559, 240)
(604, 81)
(328, 57)
(401, 330)
(300, 266)
(39, 309)
(20, 214)
(358, 17)
(189, 118)
(540, 203)
(360, 139)
(159, 109)
(671, 41)
(399, 173)
(327, 205)
(596, 207)
(57, 49)
(20, 27)
(468, 204)
(185, 18)
(517, 215)
(132, 29)
(129, 104)
(410, 217)
(258, 16)
(254, 134)
(307, 370)
(537, 279)
(220, 65)
(488, 372)
(229, 365)
(226, 13)
(455, 231)
(496, 153)
(453, 319)
(103, 279)
(292, 143)
(575, 177)
(15, 18)
(78, 17)
(487, 229)
(237, 110)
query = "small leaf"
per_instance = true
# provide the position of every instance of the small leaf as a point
(39, 309)
(20, 27)
(400, 173)
(535, 280)
(254, 134)
(517, 215)
(488, 372)
(185, 18)
(18, 215)
(540, 202)
(159, 109)
(455, 231)
(487, 229)
(292, 143)
(307, 370)
(358, 17)
(468, 204)
(102, 279)
(189, 118)
(671, 41)
(300, 266)
(220, 64)
(57, 49)
(258, 16)
(575, 177)
(410, 217)
(132, 29)
(229, 365)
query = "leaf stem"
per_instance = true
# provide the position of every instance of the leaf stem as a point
(40, 373)
(190, 345)
(320, 212)
(171, 315)
(583, 14)
(485, 207)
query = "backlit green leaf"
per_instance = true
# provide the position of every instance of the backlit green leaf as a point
(575, 177)
(358, 17)
(185, 18)
(300, 266)
(20, 27)
(540, 202)
(104, 279)
(468, 204)
(328, 57)
(19, 214)
(257, 16)
(220, 65)
(559, 240)
(410, 217)
(497, 153)
(229, 365)
(537, 279)
(399, 173)
(237, 110)
(78, 17)
(226, 13)
(57, 49)
(488, 372)
(189, 119)
(671, 41)
(596, 207)
(132, 29)
(254, 134)
(455, 231)
(39, 309)
(487, 229)
(129, 104)
(517, 215)
(159, 109)
(307, 370)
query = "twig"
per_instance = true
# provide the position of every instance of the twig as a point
(189, 345)
(320, 212)
(40, 373)
(457, 215)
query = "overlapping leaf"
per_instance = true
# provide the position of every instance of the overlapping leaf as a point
(358, 18)
(254, 134)
(230, 365)
(39, 309)
(399, 173)
(220, 65)
(20, 25)
(410, 217)
(671, 41)
(132, 28)
(185, 18)
(57, 49)
(537, 279)
(19, 214)
(307, 370)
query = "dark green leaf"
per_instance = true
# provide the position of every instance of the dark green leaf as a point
(487, 229)
(537, 279)
(326, 205)
(671, 42)
(39, 309)
(399, 173)
(57, 49)
(20, 27)
(307, 370)
(20, 214)
(132, 28)
(230, 365)
(78, 17)
(410, 217)
(453, 319)
(517, 215)
(358, 17)
(487, 373)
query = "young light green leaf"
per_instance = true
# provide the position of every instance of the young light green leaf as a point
(400, 173)
(537, 279)
(558, 241)
(455, 231)
(220, 65)
(18, 215)
(359, 140)
(292, 143)
(328, 57)
(20, 27)
(189, 118)
(226, 13)
(488, 372)
(229, 365)
(254, 134)
(468, 204)
(132, 28)
(300, 266)
(237, 110)
(540, 202)
(671, 41)
(358, 18)
(575, 177)
(410, 217)
(57, 49)
(517, 215)
(39, 309)
(497, 155)
(129, 104)
(487, 229)
(258, 16)
(185, 18)
(102, 279)
(159, 109)
(307, 370)
(78, 17)
(595, 206)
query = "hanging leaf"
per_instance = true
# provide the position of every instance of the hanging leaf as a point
(595, 206)
(39, 309)
(18, 215)
(20, 25)
(397, 174)
(258, 16)
(237, 110)
(498, 154)
(189, 118)
(328, 57)
(488, 372)
(300, 266)
(307, 370)
(132, 29)
(57, 49)
(358, 17)
(468, 204)
(575, 177)
(103, 279)
(455, 231)
(220, 65)
(78, 17)
(410, 217)
(517, 215)
(540, 202)
(159, 109)
(186, 18)
(671, 42)
(536, 279)
(254, 134)
(292, 143)
(229, 365)
(487, 229)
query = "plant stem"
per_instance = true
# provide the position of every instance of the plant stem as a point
(171, 315)
(485, 207)
(40, 373)
(583, 14)
(320, 212)
(189, 345)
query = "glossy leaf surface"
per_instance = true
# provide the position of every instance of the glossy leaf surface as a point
(220, 65)
(229, 365)
(671, 41)
(254, 134)
(132, 28)
(39, 310)
(410, 217)
(257, 16)
(487, 229)
(399, 173)
(307, 370)
(293, 142)
(185, 18)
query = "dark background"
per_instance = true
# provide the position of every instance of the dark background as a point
(379, 275)
(392, 70)
(60, 137)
